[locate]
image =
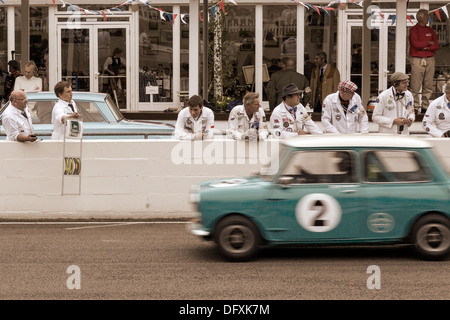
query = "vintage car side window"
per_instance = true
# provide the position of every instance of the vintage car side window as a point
(395, 166)
(89, 112)
(307, 167)
(41, 111)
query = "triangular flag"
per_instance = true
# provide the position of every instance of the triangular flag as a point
(170, 17)
(407, 17)
(222, 6)
(182, 18)
(445, 10)
(393, 19)
(200, 15)
(438, 15)
(54, 2)
(104, 15)
(213, 10)
(174, 17)
(161, 14)
(317, 9)
(233, 2)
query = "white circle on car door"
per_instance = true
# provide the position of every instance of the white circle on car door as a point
(318, 212)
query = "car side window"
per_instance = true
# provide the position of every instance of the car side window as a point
(89, 112)
(41, 111)
(305, 167)
(395, 166)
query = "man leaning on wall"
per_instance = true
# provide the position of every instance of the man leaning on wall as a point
(16, 119)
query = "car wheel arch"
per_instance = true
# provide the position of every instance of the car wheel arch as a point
(249, 218)
(417, 220)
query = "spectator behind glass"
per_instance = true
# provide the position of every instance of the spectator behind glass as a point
(11, 78)
(29, 82)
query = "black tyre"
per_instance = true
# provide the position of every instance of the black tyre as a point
(238, 238)
(431, 237)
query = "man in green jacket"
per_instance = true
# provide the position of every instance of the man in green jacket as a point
(284, 77)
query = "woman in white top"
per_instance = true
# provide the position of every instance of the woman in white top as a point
(29, 82)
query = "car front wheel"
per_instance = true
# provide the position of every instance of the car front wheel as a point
(431, 237)
(238, 238)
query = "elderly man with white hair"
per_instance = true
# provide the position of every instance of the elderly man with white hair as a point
(436, 120)
(29, 82)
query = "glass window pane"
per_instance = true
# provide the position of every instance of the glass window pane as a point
(155, 54)
(320, 167)
(395, 166)
(75, 58)
(112, 62)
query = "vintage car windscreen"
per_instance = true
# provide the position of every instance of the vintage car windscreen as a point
(395, 166)
(115, 111)
(41, 111)
(319, 166)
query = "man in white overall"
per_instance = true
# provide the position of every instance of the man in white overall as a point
(342, 111)
(195, 122)
(290, 118)
(394, 108)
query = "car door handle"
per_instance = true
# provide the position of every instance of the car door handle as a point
(348, 191)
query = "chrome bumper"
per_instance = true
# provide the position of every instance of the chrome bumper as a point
(197, 229)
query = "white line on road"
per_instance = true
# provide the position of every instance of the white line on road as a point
(90, 224)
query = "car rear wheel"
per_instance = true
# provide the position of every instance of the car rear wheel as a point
(238, 238)
(431, 237)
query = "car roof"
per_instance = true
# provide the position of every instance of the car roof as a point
(77, 95)
(357, 140)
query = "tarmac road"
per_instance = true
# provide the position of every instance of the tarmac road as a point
(162, 261)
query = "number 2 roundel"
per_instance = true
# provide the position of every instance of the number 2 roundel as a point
(318, 212)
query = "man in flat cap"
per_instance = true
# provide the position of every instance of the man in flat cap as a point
(394, 108)
(289, 118)
(343, 111)
(436, 120)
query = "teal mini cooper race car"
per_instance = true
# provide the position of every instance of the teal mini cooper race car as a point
(333, 189)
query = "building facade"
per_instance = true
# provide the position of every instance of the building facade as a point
(149, 54)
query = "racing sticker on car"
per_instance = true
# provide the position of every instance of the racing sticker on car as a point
(380, 222)
(318, 212)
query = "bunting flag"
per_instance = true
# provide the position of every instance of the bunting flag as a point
(409, 19)
(172, 17)
(445, 10)
(438, 15)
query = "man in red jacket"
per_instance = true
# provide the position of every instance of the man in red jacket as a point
(423, 43)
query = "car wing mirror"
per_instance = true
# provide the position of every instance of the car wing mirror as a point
(285, 181)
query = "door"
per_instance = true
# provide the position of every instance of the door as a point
(382, 54)
(94, 58)
(315, 198)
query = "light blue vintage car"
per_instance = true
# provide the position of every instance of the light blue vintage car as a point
(101, 118)
(333, 189)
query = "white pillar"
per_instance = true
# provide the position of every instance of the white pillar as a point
(193, 47)
(301, 39)
(400, 37)
(259, 50)
(176, 72)
(11, 32)
(53, 42)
